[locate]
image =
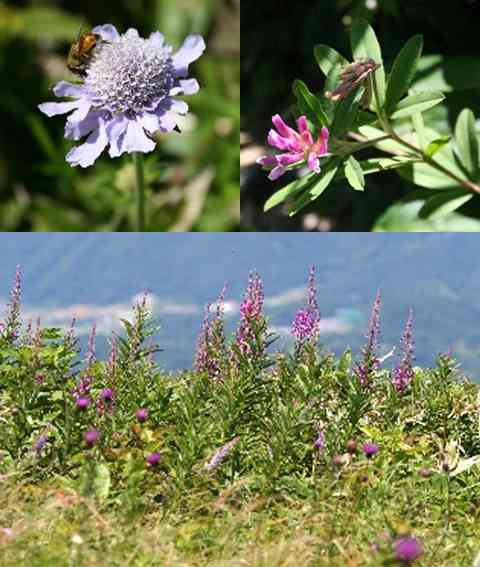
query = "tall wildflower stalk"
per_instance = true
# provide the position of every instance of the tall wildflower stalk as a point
(370, 362)
(251, 337)
(306, 324)
(403, 373)
(12, 324)
(210, 356)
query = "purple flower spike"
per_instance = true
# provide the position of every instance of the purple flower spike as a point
(142, 414)
(370, 449)
(407, 549)
(370, 362)
(319, 444)
(306, 325)
(218, 457)
(403, 373)
(153, 459)
(127, 94)
(298, 147)
(82, 402)
(91, 437)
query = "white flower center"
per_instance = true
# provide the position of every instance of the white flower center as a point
(130, 74)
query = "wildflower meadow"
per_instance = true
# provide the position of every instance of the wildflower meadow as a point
(252, 457)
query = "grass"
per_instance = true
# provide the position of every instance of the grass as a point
(262, 458)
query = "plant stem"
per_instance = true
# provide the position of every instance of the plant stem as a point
(138, 161)
(387, 127)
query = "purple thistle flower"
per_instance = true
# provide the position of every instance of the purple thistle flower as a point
(219, 455)
(153, 459)
(142, 414)
(127, 93)
(299, 147)
(306, 324)
(107, 395)
(82, 402)
(403, 373)
(91, 437)
(250, 337)
(370, 449)
(407, 549)
(370, 362)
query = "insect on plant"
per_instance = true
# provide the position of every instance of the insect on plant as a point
(81, 52)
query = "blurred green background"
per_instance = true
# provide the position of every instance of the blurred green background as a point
(277, 47)
(193, 178)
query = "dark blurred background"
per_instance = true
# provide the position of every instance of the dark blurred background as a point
(277, 41)
(192, 177)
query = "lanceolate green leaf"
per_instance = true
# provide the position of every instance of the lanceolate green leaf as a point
(444, 203)
(403, 71)
(322, 182)
(417, 103)
(327, 58)
(309, 104)
(365, 44)
(289, 190)
(345, 113)
(354, 174)
(467, 142)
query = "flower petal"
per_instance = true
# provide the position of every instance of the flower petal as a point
(313, 162)
(267, 161)
(135, 139)
(77, 130)
(54, 108)
(290, 158)
(82, 111)
(63, 88)
(179, 107)
(282, 128)
(185, 86)
(192, 48)
(108, 32)
(86, 154)
(304, 131)
(157, 39)
(276, 173)
(274, 139)
(149, 122)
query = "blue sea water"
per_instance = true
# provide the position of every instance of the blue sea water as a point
(437, 275)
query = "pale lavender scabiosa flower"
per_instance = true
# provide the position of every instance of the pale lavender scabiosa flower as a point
(306, 324)
(127, 93)
(219, 455)
(250, 340)
(210, 355)
(298, 147)
(370, 362)
(407, 549)
(403, 373)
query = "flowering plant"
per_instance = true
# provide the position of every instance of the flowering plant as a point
(364, 107)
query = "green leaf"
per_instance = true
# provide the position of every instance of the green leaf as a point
(289, 190)
(467, 142)
(436, 145)
(354, 174)
(322, 182)
(309, 104)
(345, 113)
(444, 203)
(419, 127)
(365, 44)
(403, 71)
(390, 146)
(446, 74)
(417, 103)
(403, 217)
(327, 58)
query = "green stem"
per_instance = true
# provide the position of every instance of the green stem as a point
(387, 127)
(138, 161)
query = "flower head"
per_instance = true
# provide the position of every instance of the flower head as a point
(127, 93)
(82, 402)
(319, 444)
(153, 459)
(91, 437)
(407, 549)
(370, 449)
(306, 324)
(298, 147)
(403, 373)
(142, 414)
(219, 455)
(370, 361)
(107, 395)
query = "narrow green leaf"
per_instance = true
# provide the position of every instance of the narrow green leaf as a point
(467, 142)
(419, 126)
(346, 113)
(354, 174)
(444, 203)
(436, 145)
(417, 103)
(309, 104)
(327, 58)
(448, 73)
(403, 71)
(373, 165)
(322, 182)
(291, 189)
(365, 44)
